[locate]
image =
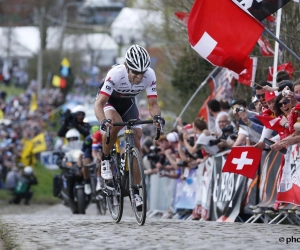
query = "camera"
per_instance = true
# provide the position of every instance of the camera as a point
(182, 164)
(226, 131)
(153, 154)
(191, 141)
(286, 92)
(241, 109)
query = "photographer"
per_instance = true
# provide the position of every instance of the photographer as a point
(23, 185)
(192, 149)
(249, 126)
(225, 136)
(74, 119)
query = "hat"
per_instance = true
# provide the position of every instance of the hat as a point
(172, 137)
(269, 96)
(188, 126)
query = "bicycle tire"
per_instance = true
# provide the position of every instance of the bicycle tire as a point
(115, 201)
(139, 215)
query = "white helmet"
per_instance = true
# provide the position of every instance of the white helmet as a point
(78, 108)
(28, 170)
(137, 58)
(72, 133)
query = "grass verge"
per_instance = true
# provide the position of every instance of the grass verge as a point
(7, 236)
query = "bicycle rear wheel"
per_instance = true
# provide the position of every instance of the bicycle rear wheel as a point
(115, 198)
(138, 187)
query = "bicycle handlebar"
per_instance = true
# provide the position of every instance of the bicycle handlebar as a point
(133, 122)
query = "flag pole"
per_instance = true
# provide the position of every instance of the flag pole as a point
(196, 92)
(278, 22)
(282, 44)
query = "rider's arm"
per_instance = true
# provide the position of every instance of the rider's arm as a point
(99, 106)
(153, 107)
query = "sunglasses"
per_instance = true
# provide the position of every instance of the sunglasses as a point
(285, 102)
(259, 96)
(73, 139)
(137, 72)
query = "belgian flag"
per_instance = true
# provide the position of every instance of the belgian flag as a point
(58, 81)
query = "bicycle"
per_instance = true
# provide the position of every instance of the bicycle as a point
(97, 197)
(123, 178)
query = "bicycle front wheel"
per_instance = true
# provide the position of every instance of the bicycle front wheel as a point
(138, 192)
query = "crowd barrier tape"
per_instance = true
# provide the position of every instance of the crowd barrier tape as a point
(214, 195)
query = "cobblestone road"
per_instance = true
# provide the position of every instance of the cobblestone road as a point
(56, 228)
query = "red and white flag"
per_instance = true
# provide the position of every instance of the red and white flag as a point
(288, 67)
(247, 76)
(243, 160)
(271, 122)
(216, 30)
(265, 47)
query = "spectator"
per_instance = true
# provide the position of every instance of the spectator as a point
(22, 189)
(214, 109)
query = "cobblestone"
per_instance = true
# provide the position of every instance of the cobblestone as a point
(56, 228)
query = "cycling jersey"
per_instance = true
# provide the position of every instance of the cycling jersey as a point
(117, 85)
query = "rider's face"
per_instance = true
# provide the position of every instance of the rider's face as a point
(135, 77)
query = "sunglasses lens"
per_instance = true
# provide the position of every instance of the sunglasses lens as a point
(137, 72)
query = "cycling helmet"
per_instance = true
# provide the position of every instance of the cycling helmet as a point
(77, 109)
(28, 170)
(94, 129)
(73, 133)
(137, 58)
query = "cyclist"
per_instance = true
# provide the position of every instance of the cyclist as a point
(97, 154)
(116, 101)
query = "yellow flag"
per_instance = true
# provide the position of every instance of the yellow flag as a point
(33, 103)
(39, 143)
(26, 154)
(65, 62)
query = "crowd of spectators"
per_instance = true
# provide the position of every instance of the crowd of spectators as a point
(23, 117)
(230, 124)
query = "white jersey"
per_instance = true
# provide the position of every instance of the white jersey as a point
(117, 84)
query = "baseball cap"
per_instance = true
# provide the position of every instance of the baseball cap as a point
(270, 96)
(172, 137)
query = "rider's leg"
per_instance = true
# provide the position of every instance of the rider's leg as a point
(87, 159)
(115, 117)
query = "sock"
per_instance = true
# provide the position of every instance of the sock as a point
(105, 157)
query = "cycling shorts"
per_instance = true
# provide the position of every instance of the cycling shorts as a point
(126, 107)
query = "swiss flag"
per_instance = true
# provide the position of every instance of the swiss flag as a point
(288, 67)
(271, 122)
(243, 160)
(216, 30)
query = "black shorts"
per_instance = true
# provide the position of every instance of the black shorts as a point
(87, 153)
(126, 107)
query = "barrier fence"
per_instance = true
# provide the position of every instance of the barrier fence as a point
(209, 194)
